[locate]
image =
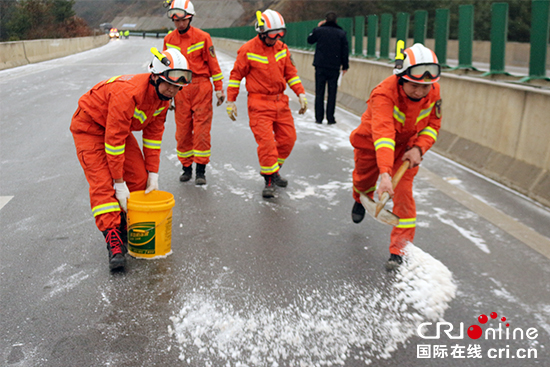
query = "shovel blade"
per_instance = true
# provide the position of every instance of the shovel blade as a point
(384, 216)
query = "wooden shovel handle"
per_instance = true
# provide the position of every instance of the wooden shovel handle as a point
(395, 180)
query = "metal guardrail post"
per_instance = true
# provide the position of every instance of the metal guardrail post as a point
(540, 10)
(420, 26)
(359, 35)
(465, 37)
(372, 34)
(499, 36)
(347, 25)
(385, 35)
(441, 35)
(402, 29)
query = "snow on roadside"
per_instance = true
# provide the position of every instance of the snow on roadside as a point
(320, 327)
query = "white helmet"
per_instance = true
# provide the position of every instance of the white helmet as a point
(181, 9)
(420, 65)
(171, 66)
(270, 21)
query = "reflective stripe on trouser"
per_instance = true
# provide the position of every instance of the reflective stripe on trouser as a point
(193, 123)
(90, 150)
(365, 176)
(273, 127)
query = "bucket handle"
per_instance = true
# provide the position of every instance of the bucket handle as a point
(155, 227)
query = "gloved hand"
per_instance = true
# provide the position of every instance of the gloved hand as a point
(303, 104)
(231, 110)
(122, 194)
(152, 182)
(220, 96)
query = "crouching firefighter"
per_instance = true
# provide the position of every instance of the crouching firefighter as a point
(113, 163)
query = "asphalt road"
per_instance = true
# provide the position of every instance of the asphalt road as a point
(289, 281)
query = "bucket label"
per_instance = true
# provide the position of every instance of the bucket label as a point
(141, 238)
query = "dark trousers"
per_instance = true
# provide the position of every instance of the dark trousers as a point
(324, 76)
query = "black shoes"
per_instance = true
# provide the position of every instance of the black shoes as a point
(200, 179)
(269, 189)
(187, 173)
(357, 212)
(117, 248)
(279, 181)
(393, 262)
(331, 122)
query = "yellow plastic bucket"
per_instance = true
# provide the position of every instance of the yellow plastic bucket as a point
(150, 224)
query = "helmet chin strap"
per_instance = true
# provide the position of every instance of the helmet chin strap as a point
(156, 84)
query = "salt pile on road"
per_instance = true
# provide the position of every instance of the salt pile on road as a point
(321, 327)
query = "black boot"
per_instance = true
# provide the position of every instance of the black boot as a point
(187, 173)
(357, 212)
(269, 189)
(116, 247)
(199, 174)
(393, 262)
(279, 181)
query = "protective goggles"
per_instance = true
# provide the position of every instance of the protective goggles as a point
(177, 76)
(424, 71)
(276, 33)
(178, 14)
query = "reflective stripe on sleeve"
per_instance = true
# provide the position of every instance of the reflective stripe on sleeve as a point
(384, 143)
(106, 208)
(217, 77)
(364, 192)
(234, 83)
(294, 80)
(112, 150)
(430, 131)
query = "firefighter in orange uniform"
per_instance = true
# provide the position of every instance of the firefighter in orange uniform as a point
(109, 153)
(194, 103)
(266, 64)
(401, 122)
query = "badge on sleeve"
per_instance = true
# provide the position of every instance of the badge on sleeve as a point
(212, 52)
(438, 108)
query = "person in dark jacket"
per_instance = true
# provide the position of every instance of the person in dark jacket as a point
(331, 53)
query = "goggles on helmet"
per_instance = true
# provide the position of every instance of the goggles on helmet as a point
(276, 33)
(177, 76)
(423, 71)
(178, 14)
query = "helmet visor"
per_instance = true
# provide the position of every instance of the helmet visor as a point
(276, 33)
(177, 76)
(424, 71)
(178, 14)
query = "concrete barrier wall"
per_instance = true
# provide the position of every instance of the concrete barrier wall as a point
(496, 128)
(19, 53)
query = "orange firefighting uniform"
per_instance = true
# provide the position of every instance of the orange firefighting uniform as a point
(194, 102)
(102, 130)
(392, 124)
(267, 71)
